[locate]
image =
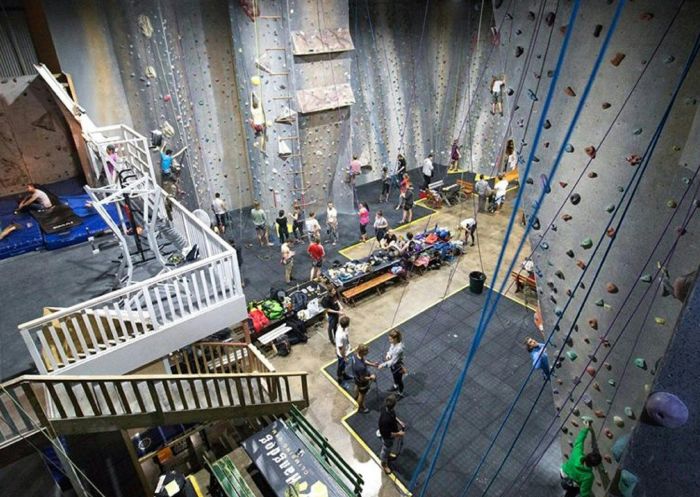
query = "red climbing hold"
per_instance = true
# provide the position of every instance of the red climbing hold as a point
(590, 151)
(167, 98)
(570, 91)
(581, 264)
(611, 232)
(563, 184)
(590, 370)
(611, 288)
(619, 56)
(608, 433)
(633, 159)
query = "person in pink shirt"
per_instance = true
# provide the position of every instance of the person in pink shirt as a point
(355, 168)
(363, 213)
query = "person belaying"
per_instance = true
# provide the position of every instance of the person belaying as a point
(538, 355)
(483, 190)
(400, 170)
(427, 170)
(219, 207)
(577, 472)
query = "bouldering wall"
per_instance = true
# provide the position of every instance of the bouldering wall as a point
(166, 66)
(598, 235)
(36, 144)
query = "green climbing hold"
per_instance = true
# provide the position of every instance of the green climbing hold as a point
(587, 243)
(629, 412)
(637, 131)
(610, 208)
(660, 321)
(571, 355)
(671, 204)
(611, 382)
(646, 278)
(600, 302)
(586, 419)
(640, 363)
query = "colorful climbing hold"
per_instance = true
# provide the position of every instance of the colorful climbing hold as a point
(611, 382)
(566, 217)
(599, 413)
(608, 433)
(640, 363)
(611, 288)
(569, 148)
(570, 91)
(671, 204)
(637, 131)
(646, 278)
(629, 412)
(593, 323)
(618, 421)
(660, 321)
(666, 409)
(610, 232)
(591, 370)
(628, 481)
(586, 243)
(593, 174)
(619, 57)
(571, 355)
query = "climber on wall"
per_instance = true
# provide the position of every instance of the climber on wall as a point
(577, 472)
(680, 287)
(497, 84)
(166, 162)
(455, 155)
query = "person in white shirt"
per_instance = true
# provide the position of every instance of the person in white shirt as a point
(427, 170)
(469, 227)
(36, 200)
(313, 228)
(500, 188)
(287, 261)
(219, 208)
(332, 222)
(511, 156)
(342, 348)
(394, 361)
(497, 85)
(381, 225)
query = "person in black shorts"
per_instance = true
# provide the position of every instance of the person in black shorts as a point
(282, 227)
(333, 310)
(408, 206)
(363, 378)
(386, 184)
(391, 428)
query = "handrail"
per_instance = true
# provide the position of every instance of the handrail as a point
(40, 379)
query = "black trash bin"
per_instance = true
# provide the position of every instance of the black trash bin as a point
(476, 282)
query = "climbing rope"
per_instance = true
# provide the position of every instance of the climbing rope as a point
(449, 409)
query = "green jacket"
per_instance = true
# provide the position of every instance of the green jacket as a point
(575, 469)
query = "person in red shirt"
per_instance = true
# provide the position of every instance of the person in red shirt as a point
(316, 253)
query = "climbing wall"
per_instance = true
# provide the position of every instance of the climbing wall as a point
(611, 321)
(36, 145)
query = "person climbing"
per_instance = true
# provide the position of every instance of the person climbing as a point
(355, 169)
(497, 84)
(166, 162)
(287, 260)
(298, 221)
(381, 225)
(282, 226)
(681, 286)
(408, 201)
(332, 222)
(386, 185)
(260, 222)
(334, 311)
(317, 254)
(577, 472)
(313, 228)
(36, 200)
(538, 355)
(455, 155)
(363, 378)
(363, 214)
(219, 208)
(469, 227)
(394, 361)
(483, 190)
(342, 349)
(400, 170)
(427, 170)
(391, 428)
(501, 187)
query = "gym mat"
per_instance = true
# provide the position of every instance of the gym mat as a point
(436, 344)
(58, 218)
(26, 238)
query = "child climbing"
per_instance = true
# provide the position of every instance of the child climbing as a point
(497, 84)
(577, 472)
(455, 155)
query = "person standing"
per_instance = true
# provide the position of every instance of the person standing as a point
(538, 355)
(455, 155)
(408, 205)
(219, 208)
(313, 228)
(511, 163)
(316, 253)
(577, 472)
(332, 222)
(298, 221)
(363, 214)
(386, 185)
(260, 222)
(333, 310)
(427, 170)
(483, 190)
(282, 227)
(469, 227)
(381, 225)
(394, 361)
(400, 169)
(287, 261)
(391, 428)
(501, 187)
(403, 186)
(363, 378)
(342, 349)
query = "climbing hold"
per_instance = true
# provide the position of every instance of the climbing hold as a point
(610, 208)
(564, 429)
(586, 419)
(575, 411)
(570, 253)
(569, 148)
(532, 95)
(571, 355)
(660, 321)
(629, 412)
(558, 312)
(575, 198)
(637, 131)
(581, 264)
(666, 409)
(529, 181)
(587, 400)
(566, 217)
(563, 184)
(559, 274)
(646, 278)
(669, 59)
(640, 363)
(610, 232)
(599, 413)
(544, 245)
(167, 98)
(591, 371)
(531, 16)
(633, 159)
(562, 29)
(593, 323)
(611, 288)
(627, 483)
(586, 243)
(606, 105)
(618, 421)
(593, 174)
(519, 51)
(549, 19)
(607, 366)
(570, 91)
(145, 25)
(608, 433)
(619, 56)
(671, 204)
(255, 80)
(547, 124)
(596, 31)
(611, 382)
(619, 447)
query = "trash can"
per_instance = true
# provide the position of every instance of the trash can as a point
(476, 282)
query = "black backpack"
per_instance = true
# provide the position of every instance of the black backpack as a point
(278, 294)
(283, 346)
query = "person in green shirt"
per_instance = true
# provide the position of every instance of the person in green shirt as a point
(577, 472)
(260, 222)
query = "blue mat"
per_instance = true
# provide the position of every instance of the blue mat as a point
(25, 239)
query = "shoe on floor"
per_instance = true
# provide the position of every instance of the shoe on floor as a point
(363, 411)
(379, 434)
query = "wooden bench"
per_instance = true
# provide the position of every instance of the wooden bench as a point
(466, 186)
(270, 337)
(522, 280)
(351, 294)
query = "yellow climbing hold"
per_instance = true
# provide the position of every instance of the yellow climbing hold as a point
(255, 80)
(660, 321)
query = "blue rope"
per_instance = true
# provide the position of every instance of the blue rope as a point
(446, 416)
(636, 176)
(557, 161)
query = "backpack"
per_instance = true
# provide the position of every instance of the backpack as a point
(272, 309)
(259, 319)
(283, 346)
(299, 301)
(278, 294)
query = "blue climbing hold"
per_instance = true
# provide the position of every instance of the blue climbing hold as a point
(569, 148)
(545, 183)
(627, 483)
(619, 447)
(532, 95)
(666, 409)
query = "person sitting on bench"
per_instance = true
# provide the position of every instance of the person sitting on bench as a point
(36, 200)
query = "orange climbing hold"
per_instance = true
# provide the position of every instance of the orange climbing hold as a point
(590, 151)
(611, 288)
(570, 91)
(611, 232)
(593, 323)
(619, 56)
(590, 370)
(581, 264)
(566, 217)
